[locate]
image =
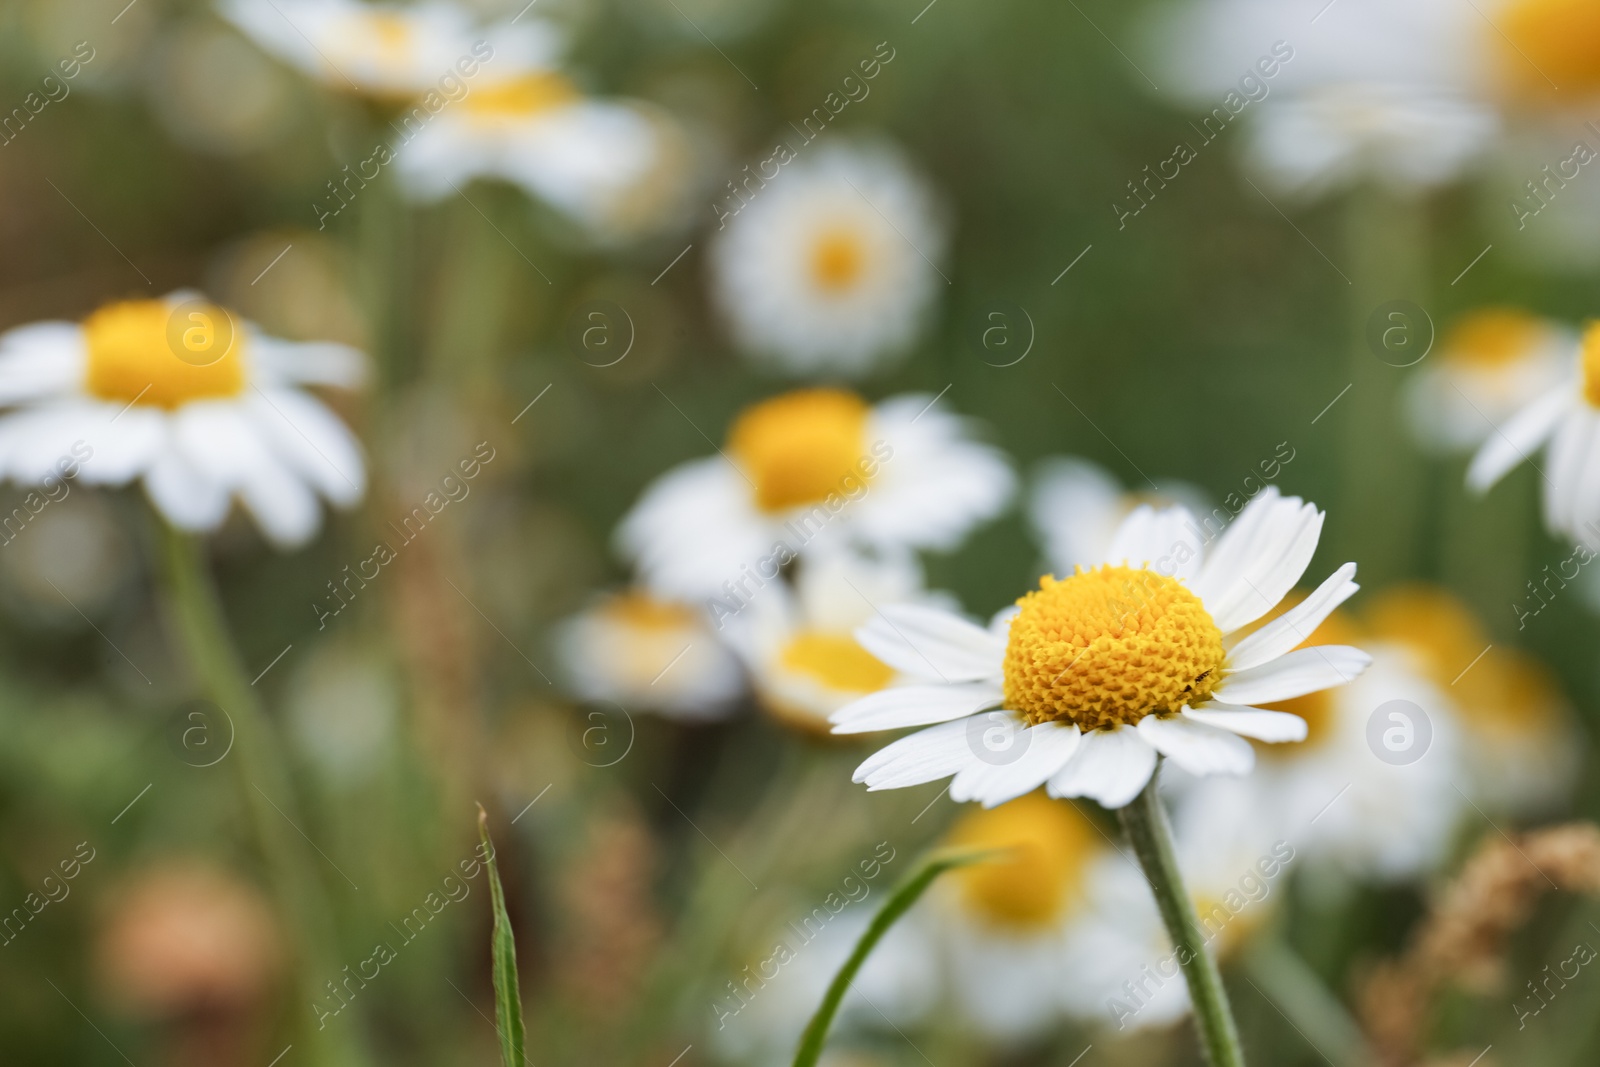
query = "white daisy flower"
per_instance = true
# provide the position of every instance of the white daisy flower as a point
(613, 167)
(805, 471)
(183, 396)
(646, 654)
(1077, 506)
(1098, 673)
(1567, 418)
(1489, 366)
(829, 266)
(804, 660)
(1521, 748)
(1387, 90)
(393, 50)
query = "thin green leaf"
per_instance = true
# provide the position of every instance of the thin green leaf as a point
(816, 1033)
(507, 996)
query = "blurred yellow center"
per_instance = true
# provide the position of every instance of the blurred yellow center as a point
(837, 260)
(1049, 845)
(800, 447)
(645, 612)
(1109, 646)
(522, 97)
(1494, 337)
(1591, 364)
(835, 661)
(149, 352)
(1552, 41)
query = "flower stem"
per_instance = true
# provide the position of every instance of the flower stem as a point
(1145, 822)
(264, 785)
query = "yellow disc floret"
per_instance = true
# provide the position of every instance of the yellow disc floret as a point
(1555, 46)
(1109, 646)
(838, 259)
(1591, 364)
(1034, 882)
(835, 661)
(1494, 337)
(154, 353)
(801, 447)
(522, 97)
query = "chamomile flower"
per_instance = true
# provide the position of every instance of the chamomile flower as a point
(614, 167)
(645, 654)
(1097, 674)
(1567, 419)
(1492, 363)
(804, 660)
(1076, 507)
(807, 471)
(829, 266)
(1388, 90)
(181, 395)
(1520, 746)
(390, 50)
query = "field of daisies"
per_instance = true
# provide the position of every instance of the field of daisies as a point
(744, 533)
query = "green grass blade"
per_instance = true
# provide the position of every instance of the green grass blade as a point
(816, 1032)
(507, 996)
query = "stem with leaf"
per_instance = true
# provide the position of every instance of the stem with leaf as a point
(503, 952)
(1145, 822)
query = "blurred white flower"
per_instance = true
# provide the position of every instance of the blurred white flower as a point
(806, 471)
(1567, 419)
(829, 266)
(182, 395)
(1489, 366)
(645, 654)
(1099, 673)
(1076, 507)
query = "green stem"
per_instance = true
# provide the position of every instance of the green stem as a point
(1145, 822)
(267, 793)
(1311, 1008)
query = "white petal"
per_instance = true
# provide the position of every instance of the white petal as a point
(1260, 560)
(1110, 766)
(1259, 723)
(185, 495)
(41, 359)
(1302, 671)
(1196, 747)
(1294, 626)
(1568, 451)
(913, 705)
(312, 363)
(1167, 541)
(925, 756)
(312, 440)
(931, 643)
(694, 528)
(1032, 755)
(220, 439)
(1519, 438)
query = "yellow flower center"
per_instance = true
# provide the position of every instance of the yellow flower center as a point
(801, 447)
(646, 635)
(642, 611)
(154, 353)
(1494, 337)
(389, 35)
(1049, 845)
(835, 661)
(522, 97)
(838, 259)
(1109, 646)
(1591, 364)
(1551, 41)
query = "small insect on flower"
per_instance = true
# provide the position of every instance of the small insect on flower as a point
(199, 405)
(1093, 675)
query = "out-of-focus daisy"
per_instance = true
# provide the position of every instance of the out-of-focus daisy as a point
(198, 405)
(829, 266)
(1386, 90)
(392, 50)
(805, 662)
(1353, 813)
(1567, 417)
(613, 167)
(1076, 507)
(646, 654)
(1520, 745)
(1491, 364)
(1102, 671)
(1549, 47)
(807, 470)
